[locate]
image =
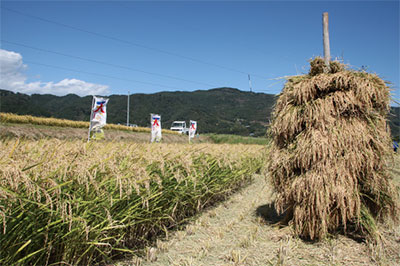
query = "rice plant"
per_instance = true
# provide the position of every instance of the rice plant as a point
(72, 202)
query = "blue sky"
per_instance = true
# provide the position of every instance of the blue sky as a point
(146, 47)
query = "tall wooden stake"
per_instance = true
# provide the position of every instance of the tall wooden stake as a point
(327, 51)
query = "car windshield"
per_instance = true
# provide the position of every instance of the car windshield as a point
(177, 124)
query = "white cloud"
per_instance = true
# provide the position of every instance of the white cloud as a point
(12, 78)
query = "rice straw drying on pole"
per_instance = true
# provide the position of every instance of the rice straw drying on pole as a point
(331, 151)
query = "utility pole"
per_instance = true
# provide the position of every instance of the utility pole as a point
(127, 113)
(0, 107)
(327, 51)
(248, 75)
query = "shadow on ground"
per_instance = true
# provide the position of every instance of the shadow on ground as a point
(269, 213)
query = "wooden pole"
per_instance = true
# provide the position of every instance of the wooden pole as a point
(327, 51)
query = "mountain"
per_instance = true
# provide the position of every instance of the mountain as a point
(394, 122)
(221, 110)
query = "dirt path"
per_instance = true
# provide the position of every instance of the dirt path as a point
(237, 232)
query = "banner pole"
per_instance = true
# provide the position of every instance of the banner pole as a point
(160, 130)
(190, 128)
(151, 128)
(90, 119)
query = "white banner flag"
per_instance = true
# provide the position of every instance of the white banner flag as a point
(192, 129)
(98, 118)
(155, 128)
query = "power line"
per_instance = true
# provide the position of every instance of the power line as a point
(131, 43)
(113, 77)
(102, 75)
(107, 64)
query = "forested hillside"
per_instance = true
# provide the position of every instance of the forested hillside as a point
(221, 110)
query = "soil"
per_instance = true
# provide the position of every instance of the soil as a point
(29, 131)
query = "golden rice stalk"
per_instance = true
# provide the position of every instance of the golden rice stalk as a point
(331, 150)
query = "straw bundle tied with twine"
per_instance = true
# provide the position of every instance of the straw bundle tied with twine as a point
(330, 152)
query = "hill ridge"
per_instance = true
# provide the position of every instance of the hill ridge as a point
(222, 110)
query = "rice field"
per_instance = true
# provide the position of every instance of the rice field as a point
(44, 121)
(236, 139)
(73, 202)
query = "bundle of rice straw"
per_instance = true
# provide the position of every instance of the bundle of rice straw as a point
(330, 152)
